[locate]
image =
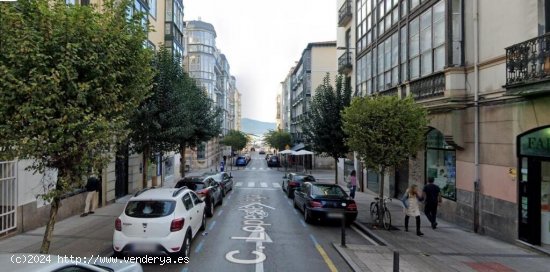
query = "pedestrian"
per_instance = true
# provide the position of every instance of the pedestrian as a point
(92, 187)
(352, 185)
(411, 200)
(432, 196)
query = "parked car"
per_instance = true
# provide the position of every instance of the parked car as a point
(206, 188)
(324, 201)
(262, 151)
(159, 220)
(267, 156)
(23, 262)
(293, 180)
(225, 180)
(241, 161)
(273, 161)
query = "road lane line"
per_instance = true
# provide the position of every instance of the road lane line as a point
(302, 221)
(220, 212)
(199, 247)
(325, 256)
(253, 168)
(212, 225)
(263, 184)
(251, 184)
(364, 236)
(238, 184)
(276, 185)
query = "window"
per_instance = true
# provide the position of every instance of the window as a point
(153, 8)
(187, 202)
(414, 39)
(201, 151)
(195, 198)
(426, 42)
(150, 208)
(441, 163)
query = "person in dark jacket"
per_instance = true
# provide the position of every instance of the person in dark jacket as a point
(92, 187)
(432, 196)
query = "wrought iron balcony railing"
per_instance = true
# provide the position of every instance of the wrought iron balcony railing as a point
(428, 87)
(529, 61)
(345, 13)
(344, 62)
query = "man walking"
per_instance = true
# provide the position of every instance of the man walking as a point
(432, 198)
(92, 186)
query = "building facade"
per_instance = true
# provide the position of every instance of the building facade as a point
(483, 77)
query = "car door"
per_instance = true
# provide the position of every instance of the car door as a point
(199, 210)
(302, 195)
(192, 215)
(214, 190)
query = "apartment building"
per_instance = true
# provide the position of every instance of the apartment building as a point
(482, 73)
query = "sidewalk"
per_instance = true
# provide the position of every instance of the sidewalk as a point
(448, 248)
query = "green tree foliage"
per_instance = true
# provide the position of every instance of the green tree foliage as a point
(385, 131)
(323, 126)
(237, 140)
(69, 77)
(278, 139)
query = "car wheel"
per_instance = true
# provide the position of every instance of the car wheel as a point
(295, 206)
(185, 249)
(210, 209)
(307, 216)
(203, 223)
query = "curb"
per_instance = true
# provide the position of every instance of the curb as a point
(369, 233)
(347, 258)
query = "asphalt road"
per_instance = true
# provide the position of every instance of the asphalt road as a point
(257, 229)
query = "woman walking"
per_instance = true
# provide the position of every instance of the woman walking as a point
(352, 184)
(411, 200)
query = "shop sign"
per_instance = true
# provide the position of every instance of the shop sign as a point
(536, 143)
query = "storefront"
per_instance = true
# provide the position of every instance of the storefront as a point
(441, 163)
(534, 186)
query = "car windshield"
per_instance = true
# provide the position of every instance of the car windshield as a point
(327, 190)
(305, 178)
(218, 177)
(195, 186)
(150, 208)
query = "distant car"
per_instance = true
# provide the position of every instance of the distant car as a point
(262, 152)
(241, 161)
(293, 180)
(324, 201)
(273, 161)
(206, 188)
(253, 149)
(159, 220)
(225, 180)
(23, 262)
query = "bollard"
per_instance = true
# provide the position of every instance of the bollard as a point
(395, 261)
(343, 242)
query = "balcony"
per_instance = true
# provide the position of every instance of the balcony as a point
(429, 87)
(344, 63)
(528, 67)
(344, 14)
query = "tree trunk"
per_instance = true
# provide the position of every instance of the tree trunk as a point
(182, 160)
(381, 193)
(336, 171)
(45, 248)
(145, 166)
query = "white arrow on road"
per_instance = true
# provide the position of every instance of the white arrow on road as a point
(256, 203)
(256, 236)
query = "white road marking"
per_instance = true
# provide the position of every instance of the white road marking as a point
(238, 184)
(263, 184)
(253, 168)
(276, 185)
(251, 184)
(261, 168)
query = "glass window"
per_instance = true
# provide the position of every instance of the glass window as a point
(414, 38)
(415, 67)
(149, 208)
(439, 58)
(426, 62)
(153, 8)
(187, 201)
(195, 198)
(414, 3)
(404, 9)
(327, 190)
(441, 163)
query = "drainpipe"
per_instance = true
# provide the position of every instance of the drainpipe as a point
(477, 182)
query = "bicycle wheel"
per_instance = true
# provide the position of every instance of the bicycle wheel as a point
(374, 211)
(386, 220)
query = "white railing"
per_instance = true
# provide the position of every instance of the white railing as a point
(8, 196)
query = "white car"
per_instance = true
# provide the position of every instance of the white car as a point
(157, 220)
(23, 262)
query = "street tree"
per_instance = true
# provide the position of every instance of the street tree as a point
(236, 139)
(323, 125)
(385, 131)
(278, 139)
(69, 77)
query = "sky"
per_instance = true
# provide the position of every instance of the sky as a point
(262, 39)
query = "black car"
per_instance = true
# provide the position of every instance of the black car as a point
(206, 188)
(225, 180)
(273, 161)
(293, 180)
(324, 201)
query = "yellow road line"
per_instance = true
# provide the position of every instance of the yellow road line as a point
(329, 262)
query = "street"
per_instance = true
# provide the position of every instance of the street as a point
(288, 243)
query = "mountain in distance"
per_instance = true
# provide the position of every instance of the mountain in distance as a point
(256, 127)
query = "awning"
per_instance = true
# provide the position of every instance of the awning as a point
(298, 147)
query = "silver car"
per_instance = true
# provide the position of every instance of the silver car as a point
(24, 262)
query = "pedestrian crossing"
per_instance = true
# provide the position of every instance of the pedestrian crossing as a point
(258, 169)
(257, 184)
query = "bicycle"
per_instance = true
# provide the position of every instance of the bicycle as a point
(385, 219)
